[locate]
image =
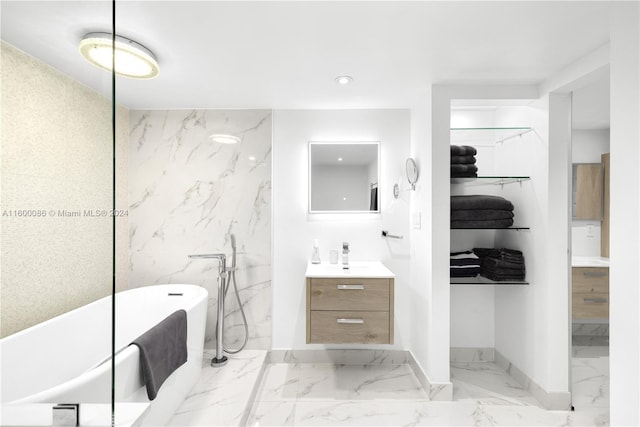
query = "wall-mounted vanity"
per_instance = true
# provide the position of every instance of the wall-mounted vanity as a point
(343, 177)
(349, 306)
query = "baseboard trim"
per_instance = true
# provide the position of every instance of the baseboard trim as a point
(553, 400)
(435, 390)
(471, 354)
(340, 357)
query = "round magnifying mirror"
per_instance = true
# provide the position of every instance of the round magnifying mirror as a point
(412, 172)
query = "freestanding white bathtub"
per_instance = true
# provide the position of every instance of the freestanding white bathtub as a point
(67, 359)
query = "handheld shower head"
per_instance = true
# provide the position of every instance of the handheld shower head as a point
(232, 237)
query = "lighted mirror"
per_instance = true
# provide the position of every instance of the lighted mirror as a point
(344, 176)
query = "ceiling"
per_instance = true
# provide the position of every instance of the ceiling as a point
(263, 54)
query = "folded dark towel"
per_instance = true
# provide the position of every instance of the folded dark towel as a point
(510, 255)
(480, 214)
(466, 261)
(463, 169)
(480, 202)
(464, 175)
(163, 349)
(491, 223)
(463, 160)
(494, 263)
(464, 272)
(463, 150)
(501, 278)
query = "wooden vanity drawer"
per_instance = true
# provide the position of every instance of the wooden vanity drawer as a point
(340, 327)
(350, 294)
(590, 305)
(590, 279)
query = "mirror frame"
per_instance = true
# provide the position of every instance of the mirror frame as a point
(343, 142)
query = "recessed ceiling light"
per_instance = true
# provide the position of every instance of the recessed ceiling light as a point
(131, 58)
(344, 80)
(339, 159)
(224, 138)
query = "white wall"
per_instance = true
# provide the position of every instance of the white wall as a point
(624, 269)
(586, 147)
(294, 229)
(622, 55)
(429, 287)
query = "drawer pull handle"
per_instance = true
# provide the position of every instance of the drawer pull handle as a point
(594, 274)
(350, 321)
(351, 287)
(595, 300)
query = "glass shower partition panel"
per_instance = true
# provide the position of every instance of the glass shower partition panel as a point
(57, 243)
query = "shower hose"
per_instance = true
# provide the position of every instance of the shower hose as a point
(244, 317)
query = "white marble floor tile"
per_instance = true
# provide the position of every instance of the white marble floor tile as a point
(280, 383)
(221, 396)
(358, 382)
(355, 413)
(441, 413)
(590, 381)
(589, 351)
(486, 382)
(272, 414)
(220, 405)
(243, 367)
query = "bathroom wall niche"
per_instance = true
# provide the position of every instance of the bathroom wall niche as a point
(343, 177)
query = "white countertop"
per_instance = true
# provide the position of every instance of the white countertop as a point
(357, 269)
(589, 261)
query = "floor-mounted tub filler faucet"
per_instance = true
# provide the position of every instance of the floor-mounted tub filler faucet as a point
(220, 359)
(226, 276)
(345, 255)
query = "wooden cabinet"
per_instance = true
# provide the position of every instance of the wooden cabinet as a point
(590, 293)
(350, 310)
(588, 191)
(604, 228)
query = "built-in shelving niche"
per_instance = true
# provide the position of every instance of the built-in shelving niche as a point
(499, 135)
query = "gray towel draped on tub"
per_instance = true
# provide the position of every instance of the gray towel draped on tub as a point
(163, 349)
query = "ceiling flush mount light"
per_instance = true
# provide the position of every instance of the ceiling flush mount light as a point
(131, 58)
(344, 80)
(224, 139)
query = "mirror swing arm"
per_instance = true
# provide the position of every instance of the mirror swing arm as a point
(411, 168)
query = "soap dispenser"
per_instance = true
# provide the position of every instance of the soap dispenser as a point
(345, 255)
(315, 255)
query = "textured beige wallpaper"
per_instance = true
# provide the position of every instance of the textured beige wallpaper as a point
(56, 248)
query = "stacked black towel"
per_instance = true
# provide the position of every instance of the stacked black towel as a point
(481, 211)
(463, 159)
(464, 264)
(501, 264)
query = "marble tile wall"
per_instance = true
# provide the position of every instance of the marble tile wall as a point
(187, 195)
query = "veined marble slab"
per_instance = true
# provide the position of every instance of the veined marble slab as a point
(341, 357)
(187, 195)
(224, 395)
